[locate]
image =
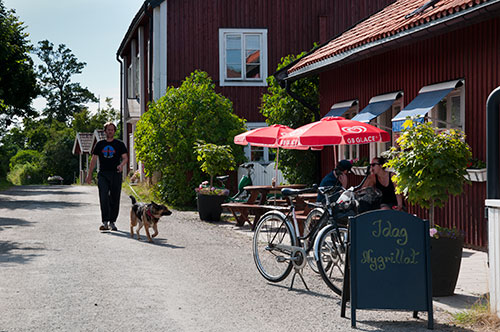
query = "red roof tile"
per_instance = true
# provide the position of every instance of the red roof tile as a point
(388, 22)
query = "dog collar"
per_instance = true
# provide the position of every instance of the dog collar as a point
(148, 212)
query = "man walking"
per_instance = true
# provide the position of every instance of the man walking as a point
(112, 154)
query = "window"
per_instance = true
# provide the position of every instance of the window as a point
(243, 57)
(449, 112)
(259, 154)
(384, 122)
(349, 152)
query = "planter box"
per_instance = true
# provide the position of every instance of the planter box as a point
(446, 256)
(209, 207)
(476, 175)
(359, 170)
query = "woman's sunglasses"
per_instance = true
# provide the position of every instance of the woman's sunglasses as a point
(373, 165)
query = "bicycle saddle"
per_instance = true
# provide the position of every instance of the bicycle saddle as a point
(287, 192)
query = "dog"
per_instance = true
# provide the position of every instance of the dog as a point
(146, 215)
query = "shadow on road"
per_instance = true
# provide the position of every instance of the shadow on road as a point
(411, 323)
(157, 241)
(15, 252)
(297, 289)
(31, 204)
(10, 222)
(40, 190)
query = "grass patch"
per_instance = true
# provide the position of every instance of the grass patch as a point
(478, 317)
(4, 184)
(141, 191)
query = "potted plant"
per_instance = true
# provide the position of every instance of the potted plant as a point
(359, 166)
(476, 170)
(215, 159)
(429, 166)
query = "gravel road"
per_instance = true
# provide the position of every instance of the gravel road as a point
(59, 273)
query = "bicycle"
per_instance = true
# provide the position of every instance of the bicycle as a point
(277, 244)
(330, 245)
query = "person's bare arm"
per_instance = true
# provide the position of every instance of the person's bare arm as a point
(93, 162)
(123, 163)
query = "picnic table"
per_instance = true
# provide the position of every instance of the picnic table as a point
(257, 203)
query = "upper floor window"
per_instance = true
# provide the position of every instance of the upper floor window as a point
(243, 57)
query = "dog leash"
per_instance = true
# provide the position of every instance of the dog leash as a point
(136, 195)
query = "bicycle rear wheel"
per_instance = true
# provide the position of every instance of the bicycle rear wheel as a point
(330, 253)
(312, 226)
(272, 261)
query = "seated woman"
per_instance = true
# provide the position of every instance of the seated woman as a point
(381, 179)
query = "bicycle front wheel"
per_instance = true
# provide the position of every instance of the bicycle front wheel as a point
(312, 226)
(330, 253)
(271, 247)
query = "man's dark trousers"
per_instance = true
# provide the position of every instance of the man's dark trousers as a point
(110, 186)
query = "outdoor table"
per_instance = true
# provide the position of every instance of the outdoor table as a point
(257, 206)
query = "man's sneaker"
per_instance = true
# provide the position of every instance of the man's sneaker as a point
(112, 226)
(104, 226)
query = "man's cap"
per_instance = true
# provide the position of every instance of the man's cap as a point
(344, 165)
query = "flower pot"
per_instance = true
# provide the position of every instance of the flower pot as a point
(476, 175)
(359, 170)
(209, 206)
(446, 256)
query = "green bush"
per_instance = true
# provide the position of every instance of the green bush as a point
(28, 173)
(25, 156)
(166, 134)
(279, 107)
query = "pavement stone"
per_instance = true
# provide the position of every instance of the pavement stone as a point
(472, 283)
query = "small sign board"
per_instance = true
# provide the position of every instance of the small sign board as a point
(390, 263)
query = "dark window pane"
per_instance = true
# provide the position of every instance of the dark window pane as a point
(253, 71)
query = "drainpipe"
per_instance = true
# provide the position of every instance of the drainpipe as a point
(121, 91)
(150, 69)
(492, 144)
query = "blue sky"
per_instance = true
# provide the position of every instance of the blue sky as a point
(92, 29)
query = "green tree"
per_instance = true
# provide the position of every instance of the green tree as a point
(280, 108)
(18, 84)
(430, 165)
(84, 121)
(166, 134)
(58, 158)
(64, 98)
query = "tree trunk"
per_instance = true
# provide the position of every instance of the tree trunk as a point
(431, 214)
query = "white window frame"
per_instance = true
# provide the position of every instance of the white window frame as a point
(248, 149)
(224, 80)
(376, 149)
(432, 115)
(352, 151)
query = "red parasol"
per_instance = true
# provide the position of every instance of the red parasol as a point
(265, 136)
(333, 131)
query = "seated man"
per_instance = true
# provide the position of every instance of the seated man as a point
(337, 177)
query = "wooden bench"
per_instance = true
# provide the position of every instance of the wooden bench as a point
(241, 212)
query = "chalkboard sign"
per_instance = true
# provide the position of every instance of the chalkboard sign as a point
(390, 263)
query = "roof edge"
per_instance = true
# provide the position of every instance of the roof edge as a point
(397, 39)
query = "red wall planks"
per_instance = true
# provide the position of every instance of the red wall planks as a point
(471, 53)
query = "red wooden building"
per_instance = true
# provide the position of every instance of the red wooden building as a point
(238, 43)
(439, 59)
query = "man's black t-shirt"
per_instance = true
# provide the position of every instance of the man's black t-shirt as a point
(109, 154)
